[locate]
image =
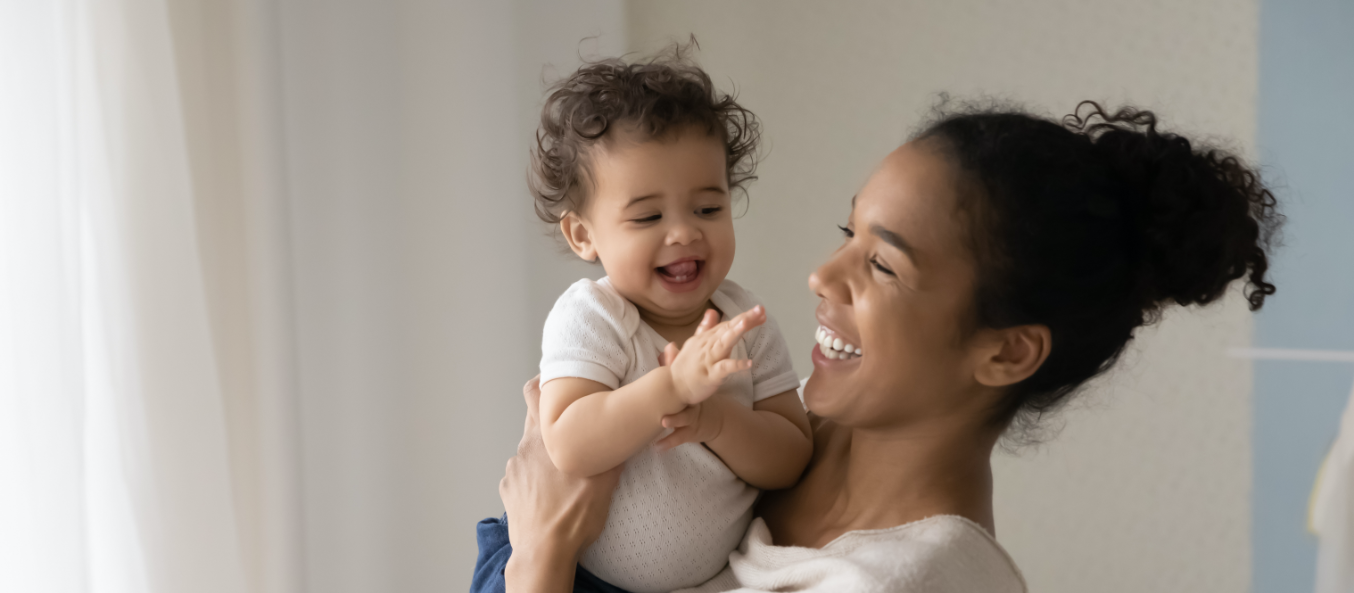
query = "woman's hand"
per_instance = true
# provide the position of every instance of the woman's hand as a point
(552, 517)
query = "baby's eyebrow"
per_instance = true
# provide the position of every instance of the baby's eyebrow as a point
(639, 199)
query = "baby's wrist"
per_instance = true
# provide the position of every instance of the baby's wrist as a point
(716, 411)
(670, 394)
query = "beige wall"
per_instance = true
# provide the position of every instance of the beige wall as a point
(1147, 487)
(422, 278)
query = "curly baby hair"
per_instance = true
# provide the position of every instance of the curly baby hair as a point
(658, 96)
(1089, 226)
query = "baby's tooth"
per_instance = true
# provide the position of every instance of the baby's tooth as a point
(837, 344)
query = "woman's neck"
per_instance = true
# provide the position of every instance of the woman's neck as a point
(876, 479)
(896, 477)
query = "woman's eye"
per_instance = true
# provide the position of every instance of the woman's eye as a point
(847, 231)
(878, 266)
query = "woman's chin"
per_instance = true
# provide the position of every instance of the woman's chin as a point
(818, 392)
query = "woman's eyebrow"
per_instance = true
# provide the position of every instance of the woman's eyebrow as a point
(893, 239)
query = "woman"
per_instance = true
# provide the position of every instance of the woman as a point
(991, 266)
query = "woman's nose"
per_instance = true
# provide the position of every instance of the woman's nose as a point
(828, 281)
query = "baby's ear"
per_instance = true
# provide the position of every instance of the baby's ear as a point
(579, 237)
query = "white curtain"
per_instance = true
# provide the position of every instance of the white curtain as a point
(1332, 511)
(147, 407)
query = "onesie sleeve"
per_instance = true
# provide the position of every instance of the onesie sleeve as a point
(585, 336)
(772, 371)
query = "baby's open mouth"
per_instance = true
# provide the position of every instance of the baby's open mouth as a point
(681, 271)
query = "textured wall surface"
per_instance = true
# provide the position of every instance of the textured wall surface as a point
(1148, 486)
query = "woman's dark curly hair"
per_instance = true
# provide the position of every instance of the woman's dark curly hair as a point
(1090, 226)
(665, 94)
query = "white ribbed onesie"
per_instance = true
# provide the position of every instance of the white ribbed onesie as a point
(676, 515)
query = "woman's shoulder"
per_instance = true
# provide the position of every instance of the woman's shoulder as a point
(940, 554)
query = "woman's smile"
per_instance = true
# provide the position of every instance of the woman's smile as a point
(832, 346)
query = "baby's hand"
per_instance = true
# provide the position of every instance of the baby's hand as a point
(703, 362)
(700, 423)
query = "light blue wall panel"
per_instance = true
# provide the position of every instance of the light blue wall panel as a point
(1306, 137)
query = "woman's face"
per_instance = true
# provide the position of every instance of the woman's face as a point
(899, 288)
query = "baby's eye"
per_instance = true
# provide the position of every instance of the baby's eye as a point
(708, 211)
(650, 218)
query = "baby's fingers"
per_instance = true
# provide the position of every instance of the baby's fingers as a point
(681, 436)
(669, 354)
(686, 417)
(732, 330)
(727, 367)
(709, 320)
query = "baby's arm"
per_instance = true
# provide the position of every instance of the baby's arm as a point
(589, 429)
(767, 445)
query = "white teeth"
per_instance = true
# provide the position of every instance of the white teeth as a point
(833, 347)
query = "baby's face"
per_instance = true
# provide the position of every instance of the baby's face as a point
(659, 219)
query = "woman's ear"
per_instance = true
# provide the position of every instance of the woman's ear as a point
(1013, 355)
(579, 237)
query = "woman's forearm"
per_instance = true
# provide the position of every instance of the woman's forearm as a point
(532, 570)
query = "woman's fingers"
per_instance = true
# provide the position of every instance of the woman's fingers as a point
(532, 393)
(531, 429)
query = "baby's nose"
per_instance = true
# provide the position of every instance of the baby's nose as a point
(683, 233)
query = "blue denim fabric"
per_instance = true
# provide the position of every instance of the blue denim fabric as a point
(492, 536)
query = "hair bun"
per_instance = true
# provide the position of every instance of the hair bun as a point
(1205, 219)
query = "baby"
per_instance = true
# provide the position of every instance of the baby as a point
(637, 163)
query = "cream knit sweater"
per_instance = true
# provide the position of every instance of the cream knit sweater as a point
(941, 554)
